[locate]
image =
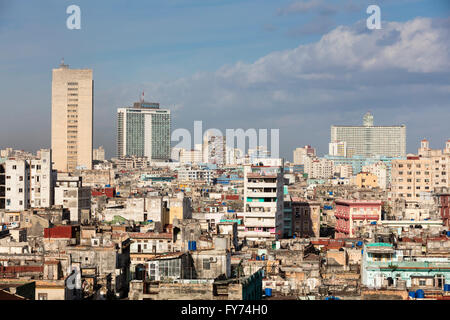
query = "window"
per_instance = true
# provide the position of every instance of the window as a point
(42, 296)
(206, 264)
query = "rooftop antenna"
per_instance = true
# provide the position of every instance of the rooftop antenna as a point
(62, 65)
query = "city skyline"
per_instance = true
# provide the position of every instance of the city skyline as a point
(225, 150)
(273, 75)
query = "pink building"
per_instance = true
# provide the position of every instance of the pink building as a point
(351, 214)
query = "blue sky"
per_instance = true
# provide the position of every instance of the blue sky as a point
(299, 66)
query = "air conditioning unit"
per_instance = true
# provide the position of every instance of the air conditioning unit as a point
(95, 242)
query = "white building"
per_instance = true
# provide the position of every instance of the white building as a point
(29, 182)
(343, 171)
(214, 147)
(17, 185)
(301, 153)
(263, 202)
(144, 131)
(380, 170)
(193, 156)
(234, 156)
(70, 193)
(99, 154)
(337, 148)
(318, 168)
(195, 175)
(369, 140)
(41, 180)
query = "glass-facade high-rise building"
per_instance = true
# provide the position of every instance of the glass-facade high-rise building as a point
(143, 131)
(369, 140)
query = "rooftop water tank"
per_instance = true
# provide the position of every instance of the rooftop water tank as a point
(412, 294)
(420, 294)
(359, 243)
(447, 287)
(268, 292)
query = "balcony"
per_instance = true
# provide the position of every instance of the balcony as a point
(262, 204)
(260, 185)
(258, 234)
(342, 215)
(261, 214)
(259, 224)
(261, 194)
(364, 217)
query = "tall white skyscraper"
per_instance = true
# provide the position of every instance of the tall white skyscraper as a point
(144, 131)
(369, 140)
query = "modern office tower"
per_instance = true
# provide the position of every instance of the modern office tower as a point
(369, 140)
(99, 154)
(17, 184)
(144, 131)
(41, 180)
(301, 153)
(263, 202)
(72, 118)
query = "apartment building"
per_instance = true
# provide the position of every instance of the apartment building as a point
(305, 218)
(318, 168)
(99, 154)
(27, 183)
(263, 202)
(351, 214)
(366, 180)
(214, 147)
(195, 175)
(17, 185)
(380, 170)
(42, 180)
(71, 194)
(416, 177)
(194, 156)
(299, 154)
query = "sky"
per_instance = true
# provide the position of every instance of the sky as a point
(297, 66)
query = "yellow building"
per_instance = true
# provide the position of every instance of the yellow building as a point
(178, 207)
(366, 180)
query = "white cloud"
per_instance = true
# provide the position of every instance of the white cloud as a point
(348, 71)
